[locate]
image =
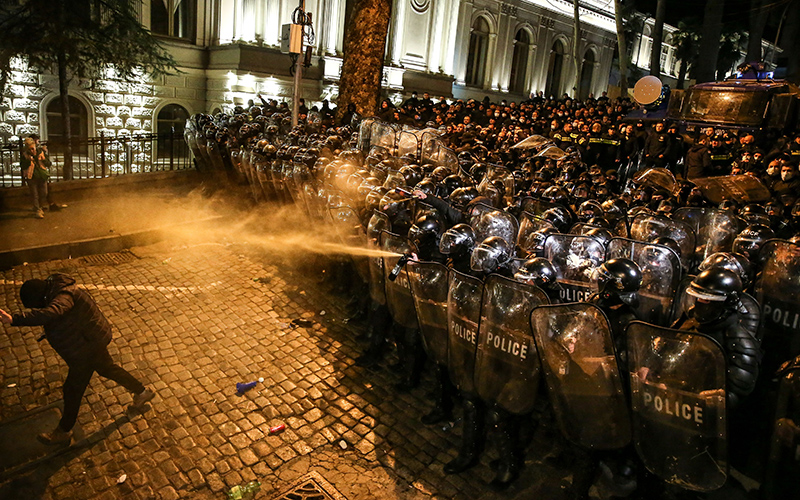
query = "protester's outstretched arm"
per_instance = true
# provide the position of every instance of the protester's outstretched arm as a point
(59, 306)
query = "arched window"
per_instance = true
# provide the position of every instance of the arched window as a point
(519, 62)
(587, 72)
(554, 69)
(170, 123)
(173, 18)
(78, 124)
(478, 48)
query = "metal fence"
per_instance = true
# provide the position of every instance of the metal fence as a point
(100, 157)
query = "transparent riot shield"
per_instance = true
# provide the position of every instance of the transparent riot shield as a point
(535, 206)
(433, 151)
(657, 178)
(783, 467)
(678, 405)
(409, 143)
(534, 142)
(715, 229)
(530, 224)
(576, 259)
(507, 367)
(429, 286)
(742, 188)
(463, 316)
(347, 226)
(398, 291)
(647, 227)
(488, 221)
(661, 276)
(778, 292)
(502, 174)
(365, 134)
(378, 223)
(583, 379)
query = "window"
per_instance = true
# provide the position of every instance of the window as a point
(587, 73)
(478, 48)
(174, 18)
(78, 124)
(554, 69)
(664, 55)
(170, 122)
(519, 62)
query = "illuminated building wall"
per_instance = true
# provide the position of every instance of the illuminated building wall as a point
(228, 50)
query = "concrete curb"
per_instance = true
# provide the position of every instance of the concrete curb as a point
(92, 246)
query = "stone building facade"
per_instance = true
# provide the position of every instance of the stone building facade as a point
(228, 50)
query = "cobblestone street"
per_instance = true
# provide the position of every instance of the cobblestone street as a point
(193, 318)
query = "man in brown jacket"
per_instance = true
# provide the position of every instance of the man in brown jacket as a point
(80, 333)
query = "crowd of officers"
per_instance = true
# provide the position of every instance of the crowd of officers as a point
(431, 204)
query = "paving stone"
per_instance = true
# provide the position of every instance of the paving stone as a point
(200, 326)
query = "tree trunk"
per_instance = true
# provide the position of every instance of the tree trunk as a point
(622, 48)
(682, 74)
(758, 19)
(658, 38)
(709, 40)
(63, 87)
(364, 49)
(576, 59)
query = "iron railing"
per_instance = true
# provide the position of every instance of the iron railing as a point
(100, 157)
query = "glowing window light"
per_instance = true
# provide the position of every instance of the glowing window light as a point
(232, 80)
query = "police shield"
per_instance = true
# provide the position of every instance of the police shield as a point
(576, 259)
(583, 379)
(678, 405)
(429, 287)
(715, 229)
(527, 239)
(463, 316)
(661, 276)
(507, 366)
(778, 292)
(398, 291)
(378, 223)
(502, 174)
(647, 227)
(488, 221)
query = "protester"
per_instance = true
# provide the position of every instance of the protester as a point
(80, 333)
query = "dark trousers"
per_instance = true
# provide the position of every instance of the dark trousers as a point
(38, 189)
(80, 373)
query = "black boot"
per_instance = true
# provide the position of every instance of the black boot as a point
(413, 359)
(443, 398)
(508, 464)
(471, 435)
(378, 324)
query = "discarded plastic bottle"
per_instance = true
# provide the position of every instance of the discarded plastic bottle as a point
(242, 387)
(246, 492)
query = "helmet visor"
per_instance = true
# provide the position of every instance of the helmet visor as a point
(484, 259)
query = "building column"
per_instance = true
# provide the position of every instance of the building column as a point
(396, 31)
(504, 46)
(331, 27)
(490, 53)
(436, 49)
(529, 83)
